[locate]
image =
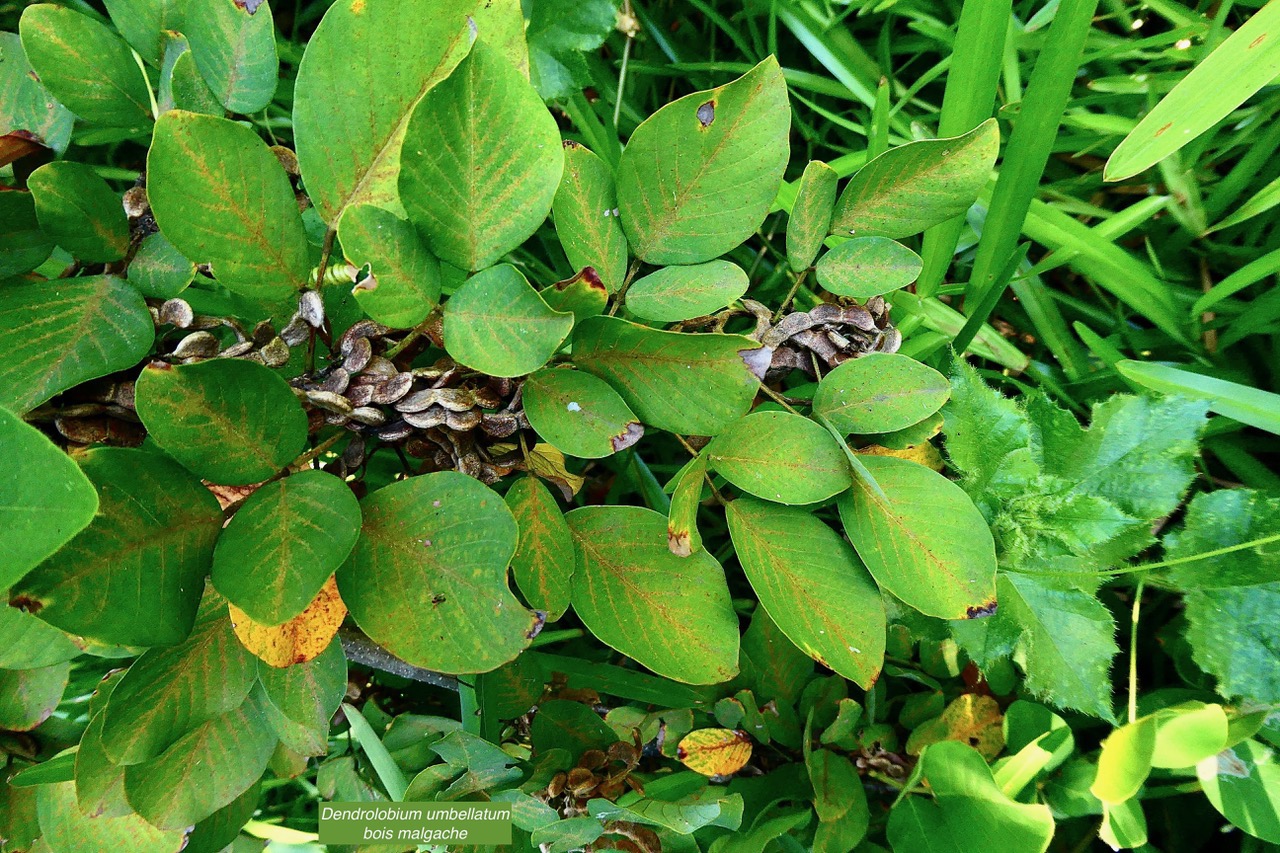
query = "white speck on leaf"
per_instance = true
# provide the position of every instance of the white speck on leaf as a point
(574, 407)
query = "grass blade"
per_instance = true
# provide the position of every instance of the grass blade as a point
(389, 773)
(1250, 406)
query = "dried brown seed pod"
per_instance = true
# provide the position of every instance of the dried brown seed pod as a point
(337, 382)
(311, 308)
(177, 313)
(238, 349)
(275, 353)
(296, 331)
(391, 390)
(368, 415)
(358, 353)
(197, 345)
(330, 402)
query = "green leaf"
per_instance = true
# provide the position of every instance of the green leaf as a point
(879, 392)
(61, 333)
(28, 696)
(222, 198)
(486, 123)
(404, 278)
(23, 246)
(172, 690)
(699, 175)
(68, 830)
(683, 537)
(145, 23)
(683, 813)
(543, 562)
(349, 117)
(45, 500)
(692, 384)
(781, 457)
(1243, 784)
(988, 439)
(134, 576)
(158, 270)
(1251, 406)
(230, 421)
(88, 68)
(28, 642)
(558, 30)
(222, 828)
(25, 104)
(868, 266)
(1228, 594)
(584, 295)
(498, 324)
(181, 86)
(1245, 62)
(585, 210)
(99, 782)
(388, 773)
(837, 788)
(626, 577)
(810, 221)
(79, 211)
(427, 580)
(968, 812)
(572, 726)
(283, 543)
(923, 540)
(233, 43)
(682, 293)
(231, 752)
(812, 585)
(579, 414)
(914, 186)
(303, 697)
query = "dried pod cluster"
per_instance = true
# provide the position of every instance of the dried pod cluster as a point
(819, 339)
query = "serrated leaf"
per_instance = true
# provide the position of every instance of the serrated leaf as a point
(284, 542)
(171, 690)
(232, 422)
(303, 697)
(879, 392)
(714, 752)
(350, 117)
(44, 501)
(868, 266)
(922, 539)
(543, 562)
(781, 457)
(298, 640)
(221, 197)
(134, 575)
(626, 577)
(585, 210)
(558, 31)
(484, 122)
(231, 750)
(810, 221)
(25, 104)
(684, 292)
(404, 282)
(67, 830)
(427, 579)
(28, 696)
(233, 43)
(968, 811)
(23, 246)
(684, 163)
(988, 439)
(683, 537)
(79, 211)
(579, 414)
(915, 186)
(61, 333)
(88, 68)
(812, 585)
(692, 384)
(498, 324)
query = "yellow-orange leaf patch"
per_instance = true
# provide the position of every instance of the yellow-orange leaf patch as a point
(715, 752)
(301, 638)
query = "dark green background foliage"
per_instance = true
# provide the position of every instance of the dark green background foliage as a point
(705, 426)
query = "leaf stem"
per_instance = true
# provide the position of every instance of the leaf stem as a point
(622, 291)
(155, 107)
(1133, 650)
(795, 288)
(622, 72)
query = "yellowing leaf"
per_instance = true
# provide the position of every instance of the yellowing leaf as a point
(971, 719)
(301, 638)
(925, 454)
(548, 463)
(715, 752)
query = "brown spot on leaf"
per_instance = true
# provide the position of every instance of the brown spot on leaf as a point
(26, 604)
(627, 437)
(539, 619)
(679, 543)
(251, 6)
(159, 365)
(707, 114)
(570, 145)
(1163, 129)
(592, 278)
(979, 611)
(1259, 40)
(438, 598)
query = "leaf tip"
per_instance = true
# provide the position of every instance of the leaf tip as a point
(979, 611)
(629, 436)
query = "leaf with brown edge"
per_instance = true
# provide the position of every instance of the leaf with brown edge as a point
(683, 537)
(714, 752)
(586, 222)
(626, 579)
(812, 585)
(579, 414)
(300, 639)
(922, 539)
